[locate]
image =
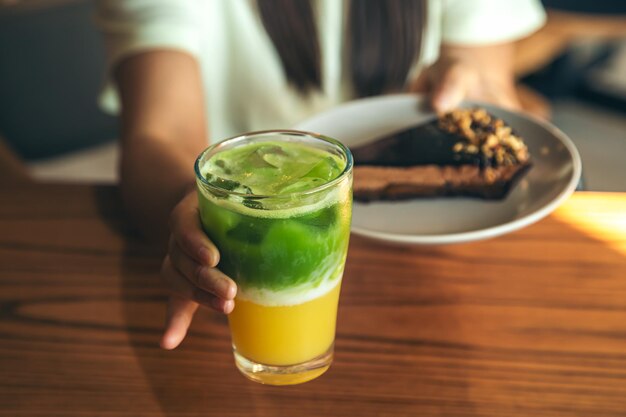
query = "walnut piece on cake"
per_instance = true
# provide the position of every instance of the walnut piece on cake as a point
(482, 132)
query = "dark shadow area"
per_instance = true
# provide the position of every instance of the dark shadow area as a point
(570, 75)
(574, 72)
(51, 71)
(597, 7)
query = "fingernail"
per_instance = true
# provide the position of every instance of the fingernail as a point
(231, 293)
(229, 306)
(225, 289)
(221, 305)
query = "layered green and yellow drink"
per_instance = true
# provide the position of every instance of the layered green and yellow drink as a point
(278, 206)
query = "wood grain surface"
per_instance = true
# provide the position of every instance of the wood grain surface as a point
(529, 324)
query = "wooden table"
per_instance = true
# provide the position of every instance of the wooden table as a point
(530, 324)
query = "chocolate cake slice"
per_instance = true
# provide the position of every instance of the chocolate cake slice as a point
(466, 152)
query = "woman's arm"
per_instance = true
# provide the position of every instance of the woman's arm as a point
(163, 131)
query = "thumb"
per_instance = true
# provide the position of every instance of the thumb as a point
(179, 315)
(450, 88)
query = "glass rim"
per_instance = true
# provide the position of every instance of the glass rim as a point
(347, 169)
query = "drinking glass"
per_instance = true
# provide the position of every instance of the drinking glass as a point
(285, 250)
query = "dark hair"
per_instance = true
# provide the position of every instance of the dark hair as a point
(384, 39)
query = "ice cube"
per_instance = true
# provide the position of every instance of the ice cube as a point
(273, 155)
(326, 169)
(302, 184)
(257, 159)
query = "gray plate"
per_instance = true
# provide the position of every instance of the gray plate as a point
(553, 177)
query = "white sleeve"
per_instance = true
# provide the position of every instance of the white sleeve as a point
(133, 26)
(478, 22)
(130, 26)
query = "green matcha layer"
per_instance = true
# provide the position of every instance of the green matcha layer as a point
(302, 246)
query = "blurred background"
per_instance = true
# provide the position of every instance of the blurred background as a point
(52, 69)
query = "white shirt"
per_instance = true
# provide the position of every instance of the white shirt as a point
(244, 82)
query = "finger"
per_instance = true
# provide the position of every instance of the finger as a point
(185, 289)
(504, 95)
(451, 88)
(187, 230)
(206, 278)
(179, 315)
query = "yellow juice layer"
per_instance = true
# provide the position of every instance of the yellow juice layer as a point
(284, 335)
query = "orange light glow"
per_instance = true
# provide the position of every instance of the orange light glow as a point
(599, 215)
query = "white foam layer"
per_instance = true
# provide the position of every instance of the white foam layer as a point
(292, 296)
